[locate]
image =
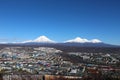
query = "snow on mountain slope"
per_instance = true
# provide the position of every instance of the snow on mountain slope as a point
(41, 39)
(83, 40)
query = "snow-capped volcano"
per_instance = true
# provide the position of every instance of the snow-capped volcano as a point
(83, 40)
(41, 39)
(44, 39)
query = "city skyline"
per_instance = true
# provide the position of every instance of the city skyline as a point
(60, 20)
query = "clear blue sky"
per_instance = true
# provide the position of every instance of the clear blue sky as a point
(60, 20)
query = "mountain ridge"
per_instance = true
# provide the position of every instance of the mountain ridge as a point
(76, 42)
